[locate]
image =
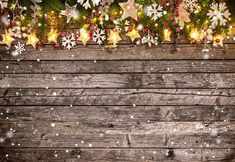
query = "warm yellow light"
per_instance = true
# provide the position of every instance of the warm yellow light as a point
(134, 34)
(101, 18)
(114, 37)
(84, 36)
(195, 35)
(7, 39)
(53, 35)
(167, 35)
(218, 40)
(32, 40)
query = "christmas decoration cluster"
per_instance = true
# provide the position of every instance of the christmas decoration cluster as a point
(108, 22)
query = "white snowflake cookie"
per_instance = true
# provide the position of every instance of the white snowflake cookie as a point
(88, 3)
(155, 11)
(69, 41)
(218, 14)
(99, 36)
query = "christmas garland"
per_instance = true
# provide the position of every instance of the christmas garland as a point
(107, 22)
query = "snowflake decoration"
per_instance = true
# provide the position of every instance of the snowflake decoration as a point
(69, 41)
(155, 11)
(19, 48)
(99, 36)
(218, 14)
(149, 39)
(87, 4)
(190, 4)
(3, 4)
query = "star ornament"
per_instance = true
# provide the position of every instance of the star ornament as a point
(17, 10)
(84, 36)
(114, 37)
(218, 41)
(69, 12)
(53, 35)
(130, 9)
(134, 34)
(7, 39)
(32, 40)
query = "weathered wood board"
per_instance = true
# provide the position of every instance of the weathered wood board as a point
(129, 104)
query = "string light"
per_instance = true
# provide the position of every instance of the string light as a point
(195, 35)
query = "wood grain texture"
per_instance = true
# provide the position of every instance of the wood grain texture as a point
(126, 52)
(147, 97)
(128, 155)
(120, 67)
(177, 141)
(122, 114)
(226, 80)
(115, 128)
(128, 104)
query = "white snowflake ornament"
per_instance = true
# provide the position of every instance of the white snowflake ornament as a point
(155, 11)
(87, 4)
(19, 48)
(69, 41)
(99, 36)
(218, 14)
(150, 40)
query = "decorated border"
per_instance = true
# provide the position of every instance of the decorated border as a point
(107, 22)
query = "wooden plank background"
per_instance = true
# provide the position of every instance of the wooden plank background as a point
(128, 104)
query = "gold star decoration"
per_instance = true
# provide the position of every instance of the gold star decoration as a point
(167, 35)
(70, 12)
(218, 41)
(7, 39)
(84, 36)
(114, 37)
(133, 34)
(32, 40)
(130, 9)
(53, 35)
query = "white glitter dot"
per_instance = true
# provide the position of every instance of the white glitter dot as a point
(2, 140)
(52, 124)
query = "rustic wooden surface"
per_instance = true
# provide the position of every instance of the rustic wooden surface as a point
(130, 104)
